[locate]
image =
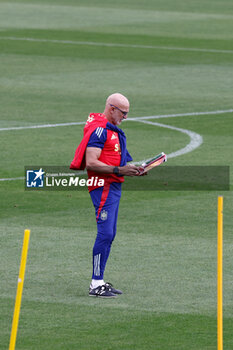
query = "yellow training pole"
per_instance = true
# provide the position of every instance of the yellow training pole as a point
(219, 288)
(19, 290)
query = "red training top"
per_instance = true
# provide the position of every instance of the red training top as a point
(96, 135)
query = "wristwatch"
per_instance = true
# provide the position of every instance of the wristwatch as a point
(116, 170)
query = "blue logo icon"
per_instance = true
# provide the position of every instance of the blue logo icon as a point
(35, 178)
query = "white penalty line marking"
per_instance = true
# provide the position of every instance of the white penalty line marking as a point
(133, 46)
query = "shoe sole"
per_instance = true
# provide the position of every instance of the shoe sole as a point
(113, 290)
(118, 293)
(103, 296)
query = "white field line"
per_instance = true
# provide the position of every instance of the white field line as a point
(183, 114)
(195, 139)
(133, 46)
(13, 178)
(130, 119)
(41, 126)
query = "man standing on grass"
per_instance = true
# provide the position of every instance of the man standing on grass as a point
(103, 153)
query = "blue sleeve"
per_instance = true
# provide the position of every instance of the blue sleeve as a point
(128, 156)
(98, 138)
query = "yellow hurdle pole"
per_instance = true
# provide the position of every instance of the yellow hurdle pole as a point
(219, 282)
(19, 290)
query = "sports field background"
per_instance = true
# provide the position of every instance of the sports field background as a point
(59, 60)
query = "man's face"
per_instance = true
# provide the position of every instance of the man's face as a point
(118, 114)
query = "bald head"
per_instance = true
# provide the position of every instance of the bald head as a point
(116, 108)
(118, 100)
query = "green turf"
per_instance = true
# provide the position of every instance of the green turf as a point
(164, 255)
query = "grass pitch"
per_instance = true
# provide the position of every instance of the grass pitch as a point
(168, 58)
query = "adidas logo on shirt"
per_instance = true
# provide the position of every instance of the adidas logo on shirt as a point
(113, 137)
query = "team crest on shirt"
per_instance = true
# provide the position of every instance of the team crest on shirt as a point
(90, 119)
(104, 215)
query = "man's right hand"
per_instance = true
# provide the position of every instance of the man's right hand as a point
(93, 164)
(129, 170)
